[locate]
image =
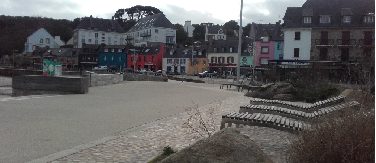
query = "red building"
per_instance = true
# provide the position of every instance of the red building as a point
(146, 57)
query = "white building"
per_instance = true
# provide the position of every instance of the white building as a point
(189, 28)
(152, 31)
(297, 43)
(214, 32)
(40, 38)
(97, 31)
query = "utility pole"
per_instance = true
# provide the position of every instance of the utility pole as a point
(134, 59)
(240, 41)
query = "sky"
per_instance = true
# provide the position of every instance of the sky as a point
(197, 11)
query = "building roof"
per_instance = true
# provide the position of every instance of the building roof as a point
(61, 52)
(230, 42)
(185, 52)
(107, 25)
(156, 20)
(334, 8)
(214, 29)
(154, 50)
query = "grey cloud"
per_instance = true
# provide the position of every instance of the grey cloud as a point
(179, 15)
(44, 8)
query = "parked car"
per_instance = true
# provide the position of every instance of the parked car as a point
(114, 68)
(207, 74)
(129, 70)
(158, 73)
(100, 68)
(145, 71)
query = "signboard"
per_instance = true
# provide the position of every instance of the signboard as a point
(49, 67)
(58, 70)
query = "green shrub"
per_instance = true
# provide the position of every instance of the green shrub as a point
(168, 150)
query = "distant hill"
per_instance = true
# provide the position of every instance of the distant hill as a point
(14, 30)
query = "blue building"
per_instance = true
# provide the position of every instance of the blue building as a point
(113, 55)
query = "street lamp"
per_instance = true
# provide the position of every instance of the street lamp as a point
(134, 59)
(13, 56)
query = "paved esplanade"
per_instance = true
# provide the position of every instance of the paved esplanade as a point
(31, 128)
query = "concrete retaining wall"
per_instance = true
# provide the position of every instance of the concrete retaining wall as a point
(104, 79)
(37, 84)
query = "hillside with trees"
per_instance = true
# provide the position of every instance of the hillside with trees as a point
(14, 30)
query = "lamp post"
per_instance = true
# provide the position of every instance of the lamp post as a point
(13, 56)
(134, 59)
(239, 44)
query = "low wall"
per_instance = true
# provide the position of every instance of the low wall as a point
(19, 72)
(38, 84)
(104, 79)
(143, 77)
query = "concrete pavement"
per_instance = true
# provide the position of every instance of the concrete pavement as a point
(32, 128)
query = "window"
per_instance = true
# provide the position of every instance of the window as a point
(105, 50)
(215, 50)
(265, 50)
(112, 50)
(104, 58)
(199, 53)
(132, 58)
(265, 39)
(89, 40)
(96, 35)
(369, 19)
(296, 52)
(47, 40)
(139, 58)
(183, 61)
(230, 59)
(156, 30)
(325, 19)
(41, 40)
(231, 49)
(145, 58)
(169, 60)
(112, 58)
(96, 41)
(83, 40)
(221, 59)
(120, 50)
(297, 35)
(120, 59)
(307, 19)
(223, 49)
(346, 19)
(204, 62)
(279, 45)
(264, 60)
(153, 58)
(213, 59)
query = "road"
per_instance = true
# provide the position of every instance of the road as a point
(37, 126)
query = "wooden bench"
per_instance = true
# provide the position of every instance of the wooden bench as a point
(225, 84)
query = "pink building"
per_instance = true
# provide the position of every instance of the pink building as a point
(264, 51)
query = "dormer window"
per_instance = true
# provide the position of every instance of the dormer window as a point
(265, 39)
(231, 49)
(215, 50)
(325, 19)
(41, 40)
(369, 19)
(112, 50)
(105, 50)
(346, 19)
(307, 19)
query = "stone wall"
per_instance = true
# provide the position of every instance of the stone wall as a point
(143, 77)
(104, 79)
(37, 84)
(19, 72)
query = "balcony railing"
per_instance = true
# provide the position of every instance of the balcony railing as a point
(366, 43)
(349, 42)
(324, 42)
(129, 38)
(170, 34)
(145, 34)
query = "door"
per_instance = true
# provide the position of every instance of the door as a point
(323, 54)
(367, 38)
(345, 37)
(345, 54)
(324, 38)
